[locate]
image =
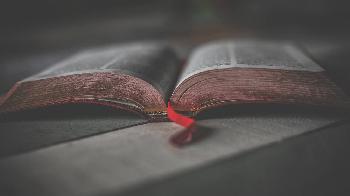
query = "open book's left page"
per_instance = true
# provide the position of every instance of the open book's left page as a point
(136, 77)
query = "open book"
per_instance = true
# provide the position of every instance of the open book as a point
(143, 77)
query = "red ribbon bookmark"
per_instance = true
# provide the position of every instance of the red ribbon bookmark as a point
(188, 123)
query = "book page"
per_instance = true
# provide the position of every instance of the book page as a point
(247, 54)
(155, 63)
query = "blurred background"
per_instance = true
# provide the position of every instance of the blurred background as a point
(36, 33)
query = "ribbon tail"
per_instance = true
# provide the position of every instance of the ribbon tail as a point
(185, 136)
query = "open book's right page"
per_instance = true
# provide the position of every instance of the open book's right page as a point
(228, 72)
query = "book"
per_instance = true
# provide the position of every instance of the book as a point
(143, 77)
